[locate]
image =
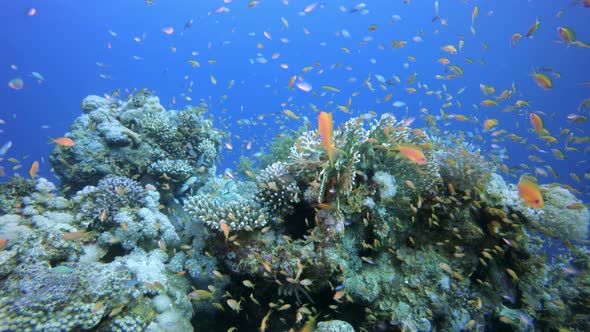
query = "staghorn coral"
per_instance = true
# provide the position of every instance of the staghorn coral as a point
(277, 190)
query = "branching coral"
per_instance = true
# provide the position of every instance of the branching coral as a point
(222, 200)
(365, 152)
(179, 170)
(462, 167)
(309, 162)
(377, 237)
(277, 190)
(105, 200)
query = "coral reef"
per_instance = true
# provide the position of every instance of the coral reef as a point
(563, 217)
(58, 275)
(372, 240)
(137, 138)
(560, 221)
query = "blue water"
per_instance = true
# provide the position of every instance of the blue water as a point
(64, 40)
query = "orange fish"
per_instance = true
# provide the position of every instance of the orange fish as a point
(533, 28)
(542, 80)
(413, 153)
(530, 192)
(225, 228)
(63, 141)
(339, 294)
(97, 306)
(72, 236)
(33, 170)
(3, 243)
(449, 48)
(536, 122)
(515, 38)
(489, 124)
(488, 102)
(326, 128)
(291, 81)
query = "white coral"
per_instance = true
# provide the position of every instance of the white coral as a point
(387, 184)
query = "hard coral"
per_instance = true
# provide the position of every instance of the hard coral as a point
(38, 297)
(124, 138)
(111, 195)
(462, 167)
(277, 190)
(563, 222)
(179, 170)
(223, 200)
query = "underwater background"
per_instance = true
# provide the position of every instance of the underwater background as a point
(294, 165)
